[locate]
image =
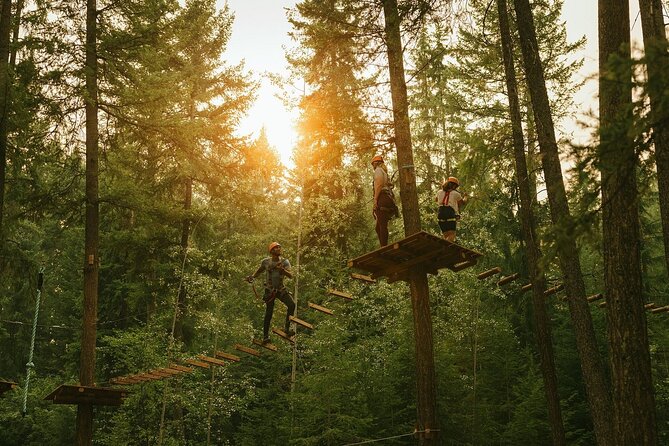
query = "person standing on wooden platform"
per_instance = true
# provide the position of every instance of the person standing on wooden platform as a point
(276, 268)
(450, 203)
(385, 207)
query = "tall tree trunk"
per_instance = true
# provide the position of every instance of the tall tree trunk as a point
(185, 233)
(541, 320)
(5, 21)
(633, 396)
(15, 32)
(91, 260)
(657, 61)
(420, 298)
(599, 398)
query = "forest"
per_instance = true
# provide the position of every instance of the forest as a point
(133, 209)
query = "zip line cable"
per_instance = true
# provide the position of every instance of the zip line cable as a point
(391, 438)
(30, 365)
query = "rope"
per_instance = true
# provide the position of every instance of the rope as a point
(30, 365)
(392, 438)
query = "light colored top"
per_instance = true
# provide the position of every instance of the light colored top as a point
(454, 199)
(381, 182)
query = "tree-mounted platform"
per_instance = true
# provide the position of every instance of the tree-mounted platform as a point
(96, 396)
(420, 250)
(6, 386)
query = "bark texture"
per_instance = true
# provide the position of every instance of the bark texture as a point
(420, 298)
(84, 432)
(634, 419)
(528, 222)
(596, 388)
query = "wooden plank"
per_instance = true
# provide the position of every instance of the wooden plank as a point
(248, 350)
(463, 265)
(664, 309)
(271, 347)
(212, 361)
(6, 386)
(151, 376)
(228, 356)
(160, 373)
(181, 368)
(490, 272)
(282, 334)
(649, 306)
(171, 371)
(601, 304)
(508, 279)
(363, 278)
(321, 309)
(197, 363)
(595, 297)
(526, 288)
(339, 294)
(554, 290)
(305, 324)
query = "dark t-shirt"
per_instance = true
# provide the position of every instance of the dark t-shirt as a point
(274, 278)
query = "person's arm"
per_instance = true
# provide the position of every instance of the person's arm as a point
(259, 271)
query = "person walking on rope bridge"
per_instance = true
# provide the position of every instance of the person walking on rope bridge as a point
(384, 199)
(450, 203)
(275, 268)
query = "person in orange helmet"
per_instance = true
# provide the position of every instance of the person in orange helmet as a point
(276, 268)
(450, 203)
(385, 207)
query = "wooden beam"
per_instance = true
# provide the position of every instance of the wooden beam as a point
(282, 334)
(462, 265)
(212, 361)
(197, 363)
(601, 304)
(181, 368)
(248, 350)
(399, 268)
(228, 356)
(321, 309)
(554, 290)
(664, 309)
(490, 272)
(649, 306)
(526, 288)
(305, 324)
(160, 373)
(363, 278)
(268, 346)
(595, 297)
(339, 294)
(508, 279)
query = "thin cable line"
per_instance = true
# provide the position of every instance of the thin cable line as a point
(391, 438)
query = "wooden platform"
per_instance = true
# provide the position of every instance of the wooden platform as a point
(6, 386)
(420, 250)
(97, 396)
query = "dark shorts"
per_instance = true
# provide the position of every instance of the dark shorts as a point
(447, 219)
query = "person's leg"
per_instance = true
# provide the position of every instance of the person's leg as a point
(382, 227)
(269, 310)
(288, 300)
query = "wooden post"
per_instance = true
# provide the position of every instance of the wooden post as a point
(420, 299)
(84, 432)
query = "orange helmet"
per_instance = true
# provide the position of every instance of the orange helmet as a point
(377, 158)
(453, 180)
(273, 245)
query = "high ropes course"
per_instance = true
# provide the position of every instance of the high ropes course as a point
(394, 262)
